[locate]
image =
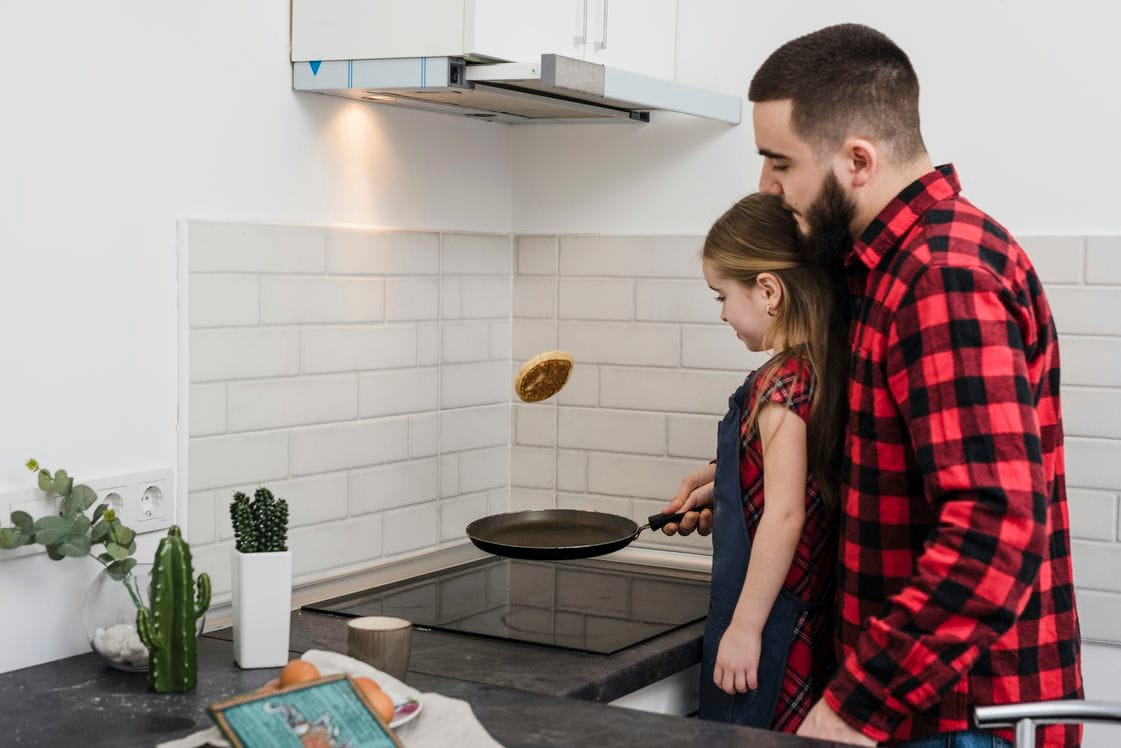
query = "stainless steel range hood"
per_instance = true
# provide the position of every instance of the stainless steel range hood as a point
(556, 89)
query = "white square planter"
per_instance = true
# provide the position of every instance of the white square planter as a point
(262, 607)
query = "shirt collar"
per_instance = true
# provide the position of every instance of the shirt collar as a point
(902, 212)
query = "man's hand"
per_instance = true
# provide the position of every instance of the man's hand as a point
(824, 724)
(694, 497)
(737, 661)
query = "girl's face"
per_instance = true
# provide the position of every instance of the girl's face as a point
(744, 307)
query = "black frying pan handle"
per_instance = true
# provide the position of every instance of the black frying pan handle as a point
(659, 520)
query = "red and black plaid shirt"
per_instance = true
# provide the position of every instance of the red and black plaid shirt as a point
(955, 583)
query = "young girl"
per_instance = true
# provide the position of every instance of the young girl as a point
(768, 641)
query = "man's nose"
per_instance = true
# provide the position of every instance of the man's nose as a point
(769, 184)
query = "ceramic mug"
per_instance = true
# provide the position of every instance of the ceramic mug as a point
(381, 641)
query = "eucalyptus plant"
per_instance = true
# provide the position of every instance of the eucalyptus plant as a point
(260, 525)
(71, 533)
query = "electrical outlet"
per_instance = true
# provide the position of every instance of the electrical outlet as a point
(151, 503)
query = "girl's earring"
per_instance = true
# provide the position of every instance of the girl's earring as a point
(770, 311)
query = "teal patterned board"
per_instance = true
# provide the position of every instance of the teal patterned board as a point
(325, 713)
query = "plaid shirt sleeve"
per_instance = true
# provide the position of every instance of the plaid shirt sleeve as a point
(957, 369)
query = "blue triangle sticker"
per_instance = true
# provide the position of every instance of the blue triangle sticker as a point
(315, 67)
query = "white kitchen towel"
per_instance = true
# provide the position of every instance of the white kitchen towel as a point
(441, 721)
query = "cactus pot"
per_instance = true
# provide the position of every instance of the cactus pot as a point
(262, 608)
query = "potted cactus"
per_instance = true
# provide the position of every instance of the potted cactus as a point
(262, 579)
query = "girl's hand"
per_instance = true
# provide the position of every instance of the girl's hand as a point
(694, 497)
(737, 661)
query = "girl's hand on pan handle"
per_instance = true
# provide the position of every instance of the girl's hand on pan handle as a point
(694, 497)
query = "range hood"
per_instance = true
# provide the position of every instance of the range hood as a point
(555, 89)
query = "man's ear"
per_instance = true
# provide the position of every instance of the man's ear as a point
(857, 161)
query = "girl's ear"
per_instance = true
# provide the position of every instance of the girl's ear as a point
(771, 288)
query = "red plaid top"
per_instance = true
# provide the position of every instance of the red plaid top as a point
(955, 585)
(811, 660)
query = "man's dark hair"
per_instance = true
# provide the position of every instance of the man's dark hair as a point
(842, 80)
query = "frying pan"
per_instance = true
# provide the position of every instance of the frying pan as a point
(558, 534)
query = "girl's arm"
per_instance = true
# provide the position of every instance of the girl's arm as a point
(783, 436)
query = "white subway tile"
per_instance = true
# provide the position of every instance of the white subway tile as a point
(582, 387)
(207, 409)
(311, 501)
(428, 344)
(317, 548)
(1103, 259)
(450, 294)
(215, 561)
(1091, 361)
(717, 347)
(330, 349)
(629, 475)
(536, 255)
(651, 257)
(676, 301)
(593, 503)
(525, 499)
(1096, 565)
(386, 393)
(476, 254)
(391, 486)
(611, 430)
(693, 436)
(449, 475)
(363, 538)
(641, 511)
(591, 299)
(535, 297)
(377, 252)
(243, 354)
(463, 385)
(201, 527)
(1086, 311)
(533, 337)
(1093, 514)
(217, 461)
(617, 343)
(424, 431)
(245, 248)
(572, 470)
(532, 467)
(501, 340)
(1098, 614)
(682, 391)
(466, 342)
(321, 449)
(1057, 259)
(498, 501)
(486, 298)
(412, 299)
(411, 528)
(457, 513)
(1093, 463)
(322, 300)
(483, 469)
(276, 403)
(224, 300)
(474, 428)
(1092, 412)
(536, 425)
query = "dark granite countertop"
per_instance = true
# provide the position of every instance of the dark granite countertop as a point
(509, 664)
(80, 701)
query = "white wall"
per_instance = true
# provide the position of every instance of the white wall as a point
(119, 119)
(1018, 95)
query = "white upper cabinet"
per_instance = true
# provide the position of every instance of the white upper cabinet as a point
(636, 35)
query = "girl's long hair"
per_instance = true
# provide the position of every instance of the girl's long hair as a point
(758, 235)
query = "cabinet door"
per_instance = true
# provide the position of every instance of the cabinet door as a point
(636, 35)
(523, 30)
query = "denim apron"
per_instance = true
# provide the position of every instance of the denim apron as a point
(731, 549)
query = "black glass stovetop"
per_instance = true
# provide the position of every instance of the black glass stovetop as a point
(590, 605)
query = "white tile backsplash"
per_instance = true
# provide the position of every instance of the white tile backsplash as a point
(410, 528)
(1057, 259)
(399, 484)
(207, 409)
(276, 403)
(611, 430)
(412, 299)
(631, 257)
(331, 349)
(225, 301)
(536, 255)
(259, 457)
(375, 252)
(245, 248)
(621, 343)
(1103, 260)
(385, 393)
(476, 254)
(321, 449)
(244, 353)
(675, 301)
(297, 301)
(596, 299)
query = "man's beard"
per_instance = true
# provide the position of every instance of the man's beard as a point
(830, 218)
